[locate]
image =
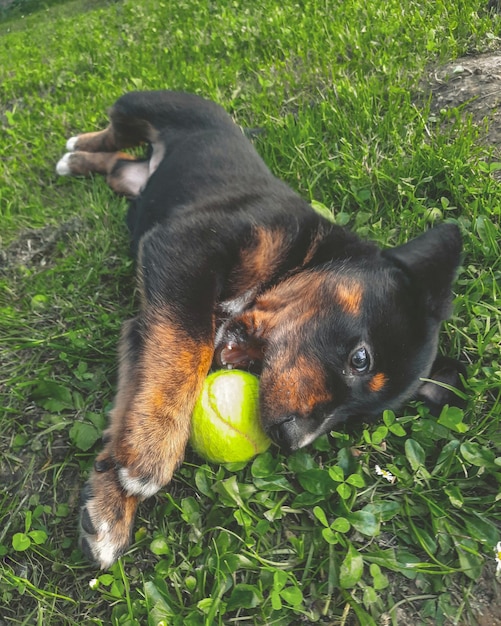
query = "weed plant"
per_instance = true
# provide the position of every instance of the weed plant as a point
(394, 523)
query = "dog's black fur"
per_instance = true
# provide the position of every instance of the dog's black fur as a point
(236, 270)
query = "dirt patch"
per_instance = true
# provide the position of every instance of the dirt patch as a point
(472, 85)
(36, 246)
(486, 601)
(481, 604)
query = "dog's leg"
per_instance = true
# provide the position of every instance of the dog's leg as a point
(149, 429)
(136, 119)
(125, 174)
(101, 153)
(161, 372)
(165, 355)
(128, 127)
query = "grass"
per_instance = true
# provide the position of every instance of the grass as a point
(316, 537)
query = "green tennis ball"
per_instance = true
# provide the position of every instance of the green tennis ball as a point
(225, 425)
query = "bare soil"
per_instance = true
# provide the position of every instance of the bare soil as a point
(35, 247)
(470, 85)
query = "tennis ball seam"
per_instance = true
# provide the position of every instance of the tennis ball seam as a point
(229, 424)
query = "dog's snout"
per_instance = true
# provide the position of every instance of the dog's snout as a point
(278, 430)
(284, 433)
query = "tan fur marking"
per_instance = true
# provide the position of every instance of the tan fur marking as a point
(317, 239)
(86, 163)
(100, 141)
(156, 423)
(150, 421)
(125, 156)
(259, 261)
(115, 137)
(298, 389)
(302, 288)
(173, 357)
(349, 296)
(279, 307)
(377, 382)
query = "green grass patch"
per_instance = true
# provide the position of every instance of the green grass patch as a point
(392, 524)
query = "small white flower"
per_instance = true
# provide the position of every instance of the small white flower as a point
(94, 583)
(498, 559)
(385, 474)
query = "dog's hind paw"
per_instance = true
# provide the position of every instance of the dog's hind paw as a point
(71, 144)
(63, 165)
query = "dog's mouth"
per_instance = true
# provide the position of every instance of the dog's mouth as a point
(240, 355)
(238, 347)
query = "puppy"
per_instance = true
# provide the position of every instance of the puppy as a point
(234, 269)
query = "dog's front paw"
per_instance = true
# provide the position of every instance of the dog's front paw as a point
(145, 458)
(106, 517)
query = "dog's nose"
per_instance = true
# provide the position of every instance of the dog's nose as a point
(284, 433)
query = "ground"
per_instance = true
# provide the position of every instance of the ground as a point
(470, 85)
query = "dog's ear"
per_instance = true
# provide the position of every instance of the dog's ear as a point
(445, 385)
(431, 261)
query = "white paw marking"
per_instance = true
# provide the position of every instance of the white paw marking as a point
(137, 486)
(71, 143)
(103, 549)
(63, 165)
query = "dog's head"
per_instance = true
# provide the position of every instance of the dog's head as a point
(346, 339)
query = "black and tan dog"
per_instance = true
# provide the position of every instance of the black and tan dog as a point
(235, 270)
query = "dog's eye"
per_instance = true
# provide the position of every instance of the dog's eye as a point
(360, 360)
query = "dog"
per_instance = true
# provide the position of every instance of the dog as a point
(235, 270)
